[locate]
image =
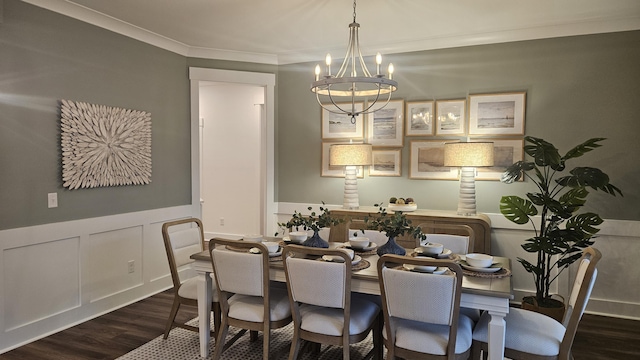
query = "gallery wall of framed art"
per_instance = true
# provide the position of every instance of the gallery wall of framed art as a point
(429, 124)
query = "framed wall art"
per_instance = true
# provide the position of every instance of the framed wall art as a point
(340, 126)
(104, 145)
(450, 117)
(386, 162)
(419, 118)
(505, 153)
(427, 161)
(334, 171)
(384, 127)
(497, 114)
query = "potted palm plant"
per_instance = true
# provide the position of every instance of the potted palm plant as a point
(314, 221)
(393, 225)
(561, 232)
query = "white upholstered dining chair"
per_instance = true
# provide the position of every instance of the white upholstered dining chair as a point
(247, 299)
(459, 238)
(422, 310)
(534, 336)
(323, 307)
(182, 238)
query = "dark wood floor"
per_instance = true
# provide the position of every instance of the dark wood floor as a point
(114, 334)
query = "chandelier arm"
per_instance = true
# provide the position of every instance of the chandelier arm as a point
(365, 71)
(351, 113)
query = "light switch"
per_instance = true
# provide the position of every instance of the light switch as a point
(52, 200)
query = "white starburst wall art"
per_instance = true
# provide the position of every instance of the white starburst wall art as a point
(104, 146)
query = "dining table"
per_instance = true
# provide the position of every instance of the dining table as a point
(486, 293)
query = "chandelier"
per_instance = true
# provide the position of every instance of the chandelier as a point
(353, 83)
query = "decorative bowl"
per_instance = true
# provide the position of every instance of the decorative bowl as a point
(298, 236)
(479, 260)
(359, 242)
(271, 246)
(431, 248)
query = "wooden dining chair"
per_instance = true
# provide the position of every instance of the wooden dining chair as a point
(182, 238)
(422, 317)
(323, 307)
(247, 299)
(534, 336)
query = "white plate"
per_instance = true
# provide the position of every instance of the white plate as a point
(402, 207)
(369, 247)
(356, 259)
(493, 268)
(445, 253)
(425, 269)
(257, 251)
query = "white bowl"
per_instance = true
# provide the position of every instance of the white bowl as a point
(271, 246)
(348, 251)
(297, 236)
(252, 238)
(479, 260)
(431, 248)
(359, 242)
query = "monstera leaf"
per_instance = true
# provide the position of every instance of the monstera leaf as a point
(517, 209)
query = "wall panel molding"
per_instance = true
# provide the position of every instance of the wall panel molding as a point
(84, 264)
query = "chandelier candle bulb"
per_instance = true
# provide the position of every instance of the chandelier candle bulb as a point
(317, 72)
(327, 60)
(378, 62)
(391, 71)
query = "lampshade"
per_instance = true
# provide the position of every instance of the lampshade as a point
(468, 154)
(350, 154)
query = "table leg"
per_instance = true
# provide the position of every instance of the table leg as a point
(204, 311)
(497, 330)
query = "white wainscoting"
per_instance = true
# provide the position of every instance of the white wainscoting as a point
(616, 292)
(54, 276)
(58, 275)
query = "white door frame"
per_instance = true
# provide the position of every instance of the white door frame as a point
(267, 81)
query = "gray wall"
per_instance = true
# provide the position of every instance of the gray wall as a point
(46, 57)
(577, 88)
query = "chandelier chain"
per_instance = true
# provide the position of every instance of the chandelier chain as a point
(354, 10)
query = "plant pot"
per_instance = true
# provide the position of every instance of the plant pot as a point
(316, 241)
(391, 247)
(553, 308)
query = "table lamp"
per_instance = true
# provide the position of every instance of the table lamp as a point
(350, 156)
(468, 156)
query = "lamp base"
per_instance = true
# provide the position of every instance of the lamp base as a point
(467, 198)
(351, 200)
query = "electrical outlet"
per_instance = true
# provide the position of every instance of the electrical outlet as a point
(132, 266)
(52, 200)
(221, 221)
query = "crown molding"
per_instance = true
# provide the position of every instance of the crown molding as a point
(542, 31)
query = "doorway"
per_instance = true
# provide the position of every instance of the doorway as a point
(232, 151)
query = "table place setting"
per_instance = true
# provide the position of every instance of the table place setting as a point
(275, 249)
(437, 270)
(361, 245)
(482, 265)
(434, 250)
(357, 262)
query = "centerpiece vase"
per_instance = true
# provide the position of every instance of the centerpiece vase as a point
(391, 247)
(316, 241)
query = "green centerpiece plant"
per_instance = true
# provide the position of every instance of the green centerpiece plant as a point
(393, 225)
(314, 221)
(561, 232)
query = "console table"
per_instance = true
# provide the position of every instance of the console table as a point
(431, 221)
